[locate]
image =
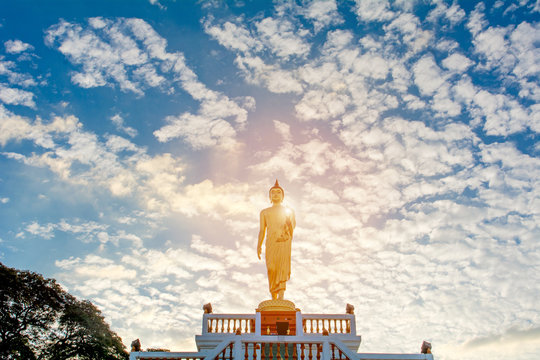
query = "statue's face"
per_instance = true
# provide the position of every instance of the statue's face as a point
(276, 195)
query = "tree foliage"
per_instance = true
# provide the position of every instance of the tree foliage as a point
(39, 320)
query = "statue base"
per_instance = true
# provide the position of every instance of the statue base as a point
(276, 305)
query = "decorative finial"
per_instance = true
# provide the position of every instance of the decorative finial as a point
(207, 308)
(136, 345)
(426, 348)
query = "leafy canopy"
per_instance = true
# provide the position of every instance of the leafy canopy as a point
(39, 320)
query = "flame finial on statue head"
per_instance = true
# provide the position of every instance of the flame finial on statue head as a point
(276, 186)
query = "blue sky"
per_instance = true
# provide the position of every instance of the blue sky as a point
(138, 141)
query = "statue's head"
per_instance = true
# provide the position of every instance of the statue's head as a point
(275, 190)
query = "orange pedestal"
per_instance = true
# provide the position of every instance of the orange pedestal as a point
(271, 321)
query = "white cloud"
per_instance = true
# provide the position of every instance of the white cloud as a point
(282, 38)
(454, 14)
(17, 46)
(118, 121)
(17, 128)
(477, 21)
(233, 37)
(283, 129)
(198, 131)
(493, 44)
(457, 62)
(407, 28)
(503, 115)
(322, 13)
(86, 232)
(13, 96)
(130, 53)
(320, 105)
(373, 10)
(4, 200)
(524, 41)
(431, 80)
(45, 231)
(276, 80)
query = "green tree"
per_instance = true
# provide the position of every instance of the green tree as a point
(39, 320)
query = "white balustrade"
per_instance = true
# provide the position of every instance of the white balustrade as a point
(311, 323)
(334, 324)
(228, 323)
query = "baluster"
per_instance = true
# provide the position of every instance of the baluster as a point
(246, 351)
(270, 353)
(304, 325)
(348, 326)
(335, 326)
(310, 354)
(278, 352)
(333, 347)
(302, 348)
(294, 353)
(222, 325)
(209, 325)
(319, 350)
(263, 351)
(340, 354)
(230, 351)
(286, 351)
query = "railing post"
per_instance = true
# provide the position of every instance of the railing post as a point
(258, 323)
(326, 353)
(353, 325)
(299, 324)
(238, 354)
(205, 324)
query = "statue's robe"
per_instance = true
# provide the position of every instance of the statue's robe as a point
(278, 256)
